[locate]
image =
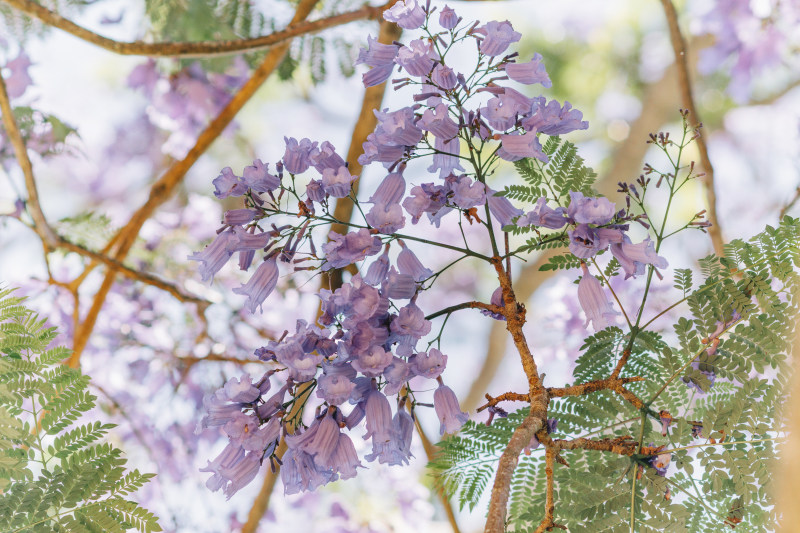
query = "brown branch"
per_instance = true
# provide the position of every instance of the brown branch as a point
(679, 47)
(515, 319)
(430, 452)
(505, 397)
(40, 224)
(193, 49)
(162, 189)
(137, 275)
(547, 523)
(590, 386)
(466, 305)
(496, 516)
(625, 445)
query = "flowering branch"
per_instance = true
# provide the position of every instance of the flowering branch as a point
(164, 187)
(194, 49)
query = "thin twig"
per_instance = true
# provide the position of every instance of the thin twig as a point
(193, 49)
(679, 47)
(137, 275)
(162, 189)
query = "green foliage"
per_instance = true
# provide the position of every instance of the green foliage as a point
(564, 172)
(741, 317)
(55, 474)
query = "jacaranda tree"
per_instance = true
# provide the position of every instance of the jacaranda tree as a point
(668, 419)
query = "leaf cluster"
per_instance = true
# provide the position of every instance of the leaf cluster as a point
(724, 433)
(56, 474)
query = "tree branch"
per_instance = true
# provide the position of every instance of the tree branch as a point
(165, 186)
(40, 224)
(193, 49)
(679, 47)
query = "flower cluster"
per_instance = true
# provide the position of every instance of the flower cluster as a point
(364, 347)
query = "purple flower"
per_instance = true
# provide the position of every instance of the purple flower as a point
(428, 365)
(408, 327)
(594, 302)
(377, 54)
(551, 119)
(397, 128)
(260, 285)
(381, 58)
(386, 218)
(661, 463)
(593, 210)
(302, 366)
(633, 257)
(529, 73)
(297, 157)
(314, 191)
(446, 157)
(502, 110)
(246, 241)
(451, 417)
(585, 241)
(377, 271)
(544, 216)
(391, 189)
(425, 198)
(497, 37)
(228, 184)
(326, 157)
(337, 182)
(232, 469)
(258, 178)
(408, 263)
(406, 13)
(334, 388)
(497, 299)
(416, 58)
(343, 250)
(438, 122)
(404, 430)
(239, 217)
(516, 146)
(397, 374)
(215, 255)
(219, 409)
(448, 18)
(241, 390)
(299, 473)
(444, 77)
(374, 150)
(379, 416)
(501, 209)
(373, 363)
(467, 193)
(398, 286)
(344, 459)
